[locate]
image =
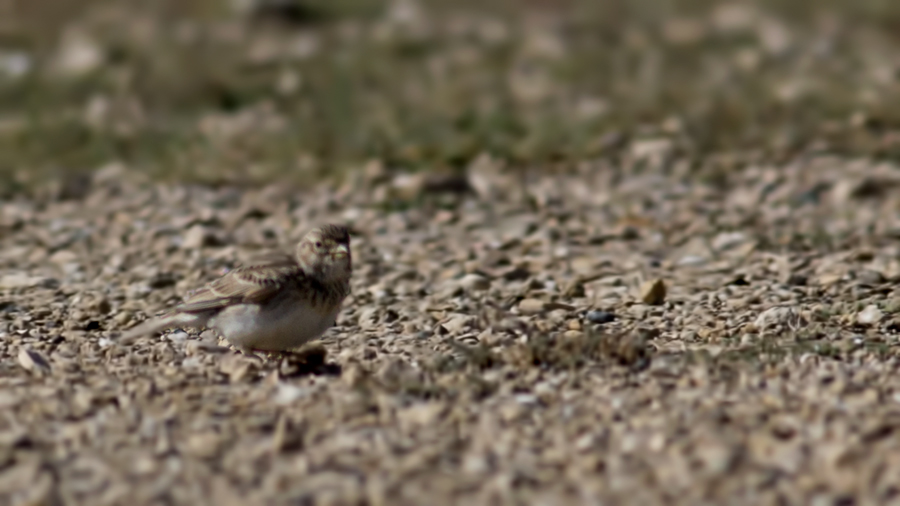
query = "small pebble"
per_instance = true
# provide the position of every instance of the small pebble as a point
(474, 282)
(33, 361)
(531, 306)
(600, 317)
(287, 393)
(653, 292)
(870, 315)
(179, 336)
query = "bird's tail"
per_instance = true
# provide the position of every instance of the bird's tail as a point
(155, 325)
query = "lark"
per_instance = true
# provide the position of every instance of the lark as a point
(274, 303)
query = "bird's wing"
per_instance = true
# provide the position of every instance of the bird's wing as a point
(255, 282)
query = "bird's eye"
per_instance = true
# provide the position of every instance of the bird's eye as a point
(318, 244)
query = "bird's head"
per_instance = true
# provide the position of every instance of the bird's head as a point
(324, 253)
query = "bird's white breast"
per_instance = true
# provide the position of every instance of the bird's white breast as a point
(279, 326)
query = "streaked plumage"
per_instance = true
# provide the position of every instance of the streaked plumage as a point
(275, 302)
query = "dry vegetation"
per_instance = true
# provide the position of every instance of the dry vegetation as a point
(606, 252)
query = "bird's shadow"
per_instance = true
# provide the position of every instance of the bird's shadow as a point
(297, 370)
(306, 363)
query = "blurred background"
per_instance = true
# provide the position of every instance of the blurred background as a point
(255, 91)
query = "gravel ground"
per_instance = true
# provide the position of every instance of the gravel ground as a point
(602, 337)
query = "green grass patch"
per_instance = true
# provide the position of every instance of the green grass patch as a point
(200, 90)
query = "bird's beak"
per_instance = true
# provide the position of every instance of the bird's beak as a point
(341, 251)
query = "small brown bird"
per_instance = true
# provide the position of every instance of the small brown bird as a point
(276, 302)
